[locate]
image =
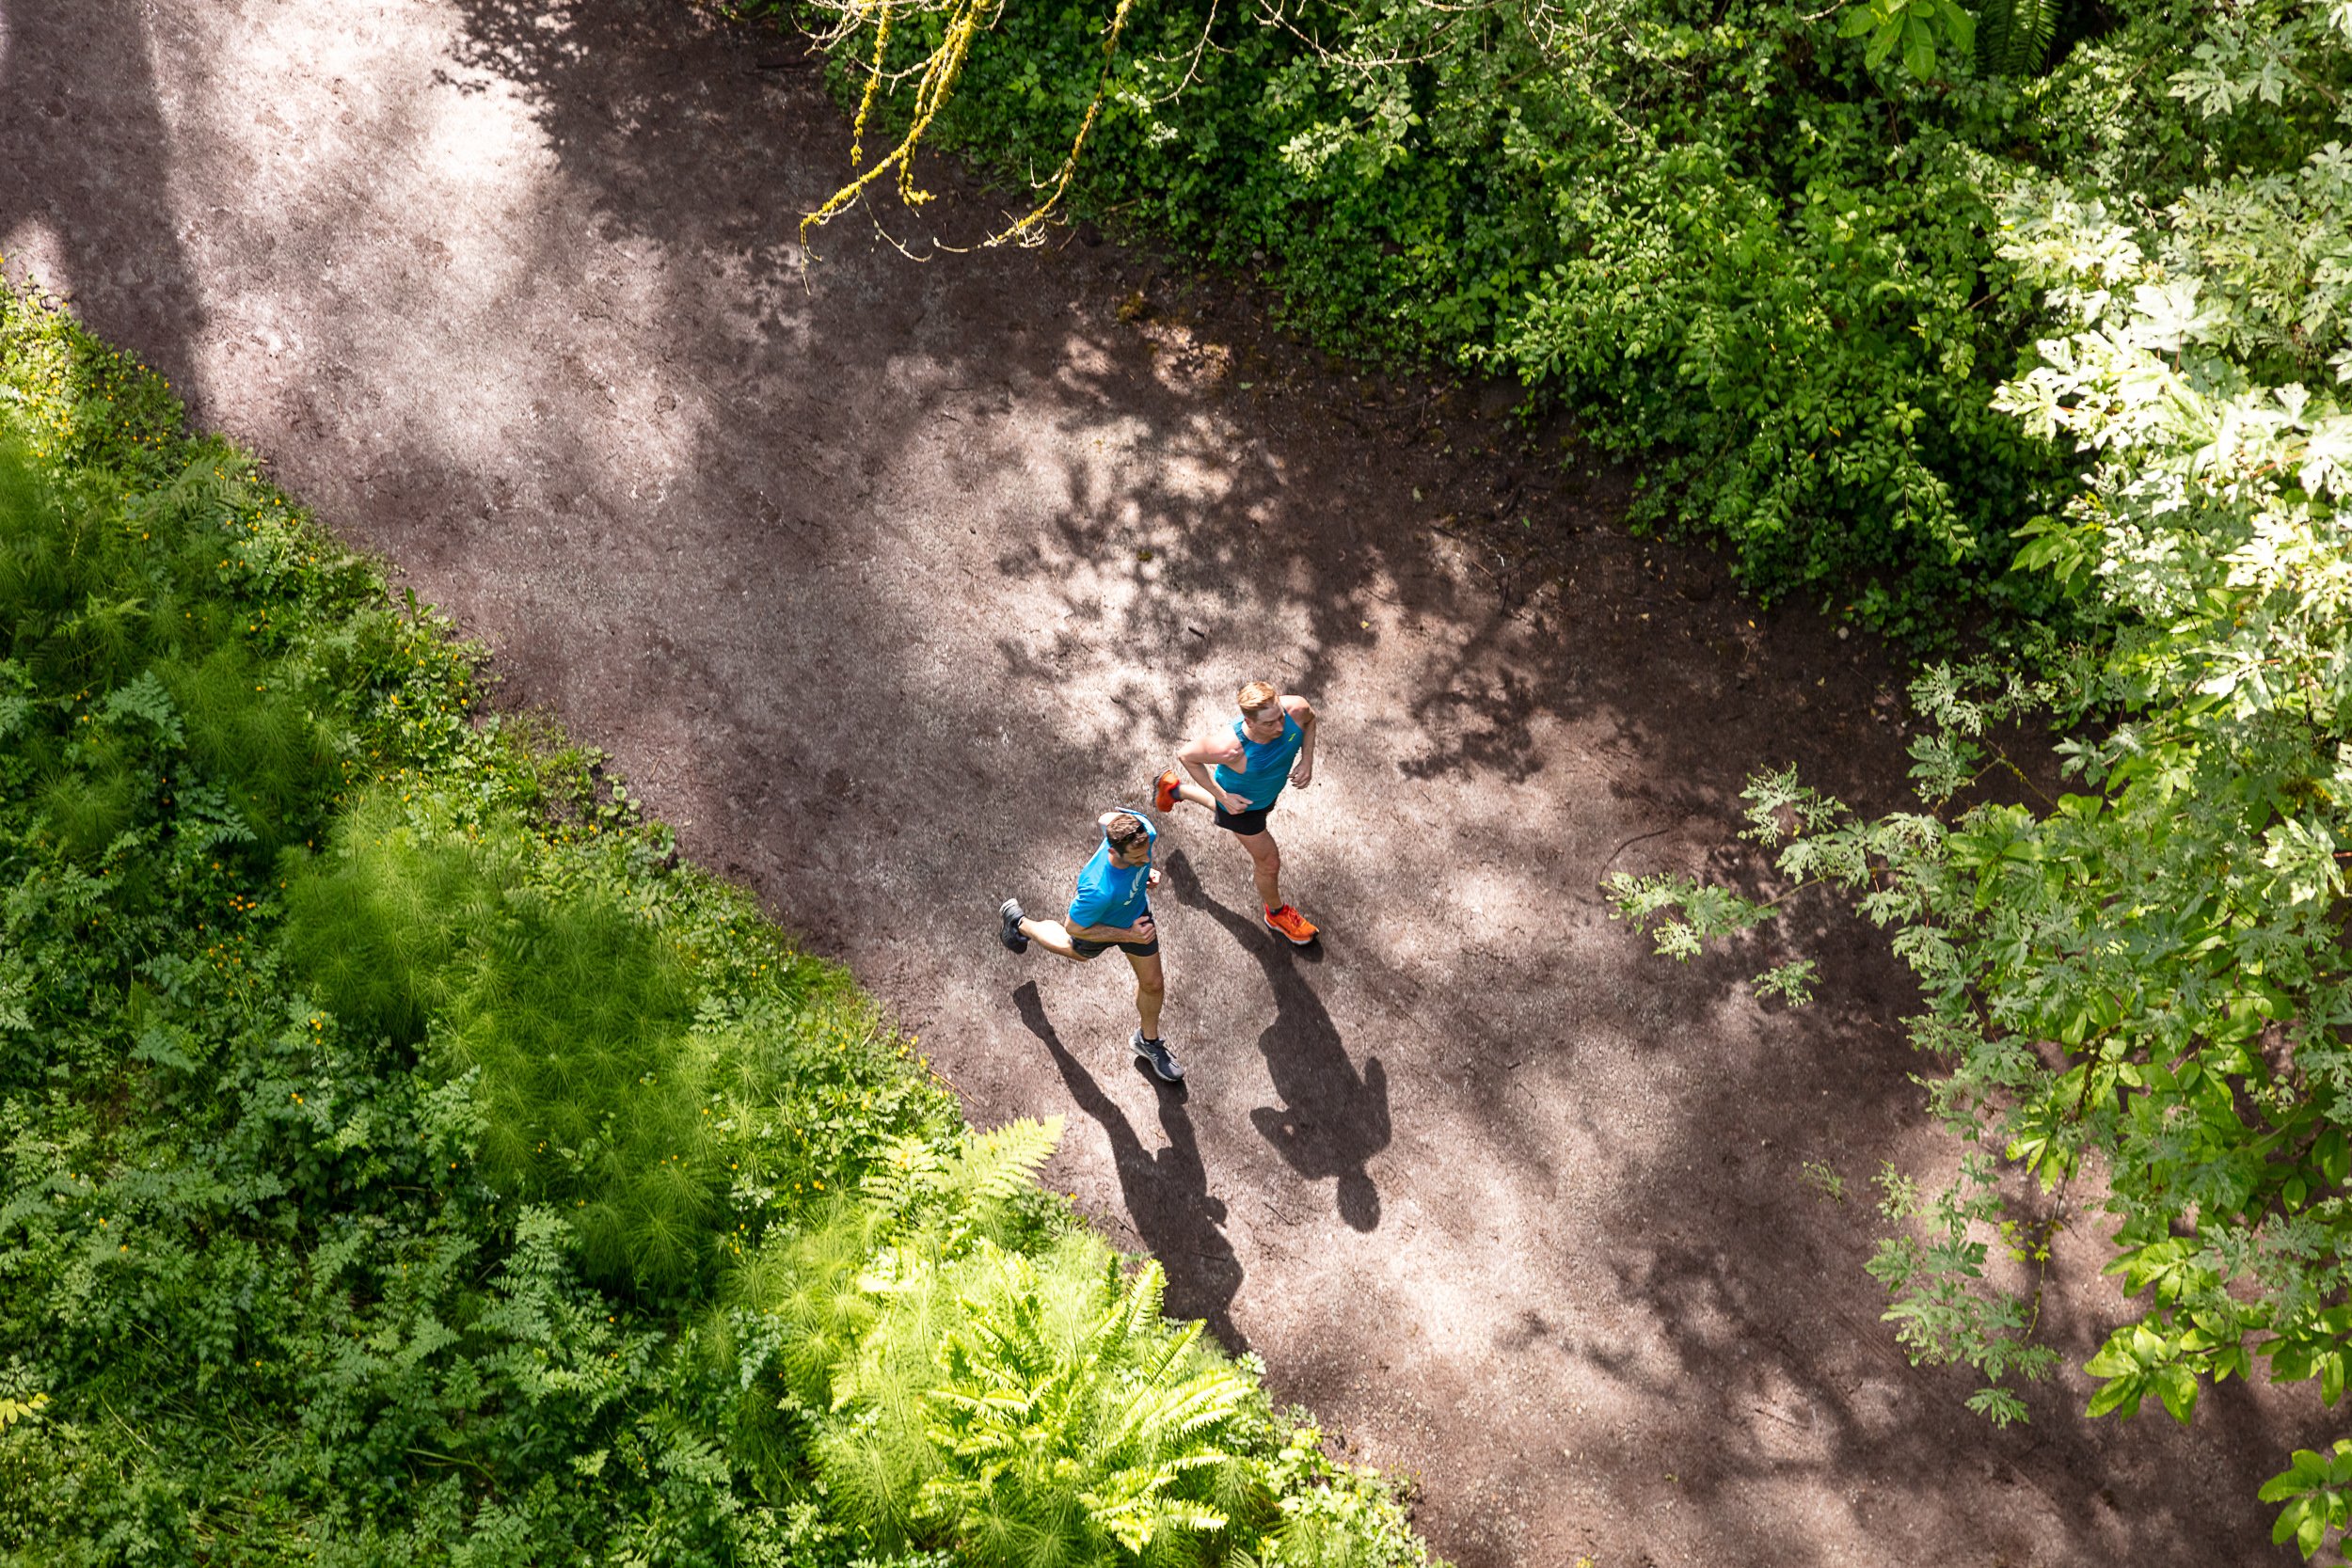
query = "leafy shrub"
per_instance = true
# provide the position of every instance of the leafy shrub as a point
(1017, 1403)
(2140, 982)
(1719, 236)
(1736, 241)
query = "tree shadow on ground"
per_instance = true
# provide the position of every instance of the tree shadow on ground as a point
(86, 133)
(1166, 1191)
(1767, 1376)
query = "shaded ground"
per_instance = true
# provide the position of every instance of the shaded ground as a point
(880, 579)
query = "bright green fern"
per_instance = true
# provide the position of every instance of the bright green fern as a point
(1055, 1450)
(2013, 37)
(974, 1185)
(1036, 1410)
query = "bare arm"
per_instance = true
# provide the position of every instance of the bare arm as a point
(1304, 712)
(1197, 755)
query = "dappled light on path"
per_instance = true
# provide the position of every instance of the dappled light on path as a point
(882, 578)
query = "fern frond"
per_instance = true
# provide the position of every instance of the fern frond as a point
(908, 1171)
(2036, 27)
(997, 1166)
(1038, 1410)
(2013, 37)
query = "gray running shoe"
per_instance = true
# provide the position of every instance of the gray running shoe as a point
(1155, 1055)
(1008, 930)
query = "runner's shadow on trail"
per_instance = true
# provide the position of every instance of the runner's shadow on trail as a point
(1330, 1122)
(1167, 1192)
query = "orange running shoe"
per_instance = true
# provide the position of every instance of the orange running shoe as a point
(1164, 790)
(1288, 922)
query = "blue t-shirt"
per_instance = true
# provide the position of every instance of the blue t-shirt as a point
(1265, 765)
(1112, 894)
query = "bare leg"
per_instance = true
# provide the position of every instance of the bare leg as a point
(1050, 935)
(1198, 796)
(1150, 991)
(1265, 867)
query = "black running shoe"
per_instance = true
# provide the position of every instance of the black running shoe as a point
(1009, 932)
(1155, 1055)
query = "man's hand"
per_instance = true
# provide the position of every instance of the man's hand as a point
(1142, 930)
(1304, 775)
(1153, 880)
(1234, 804)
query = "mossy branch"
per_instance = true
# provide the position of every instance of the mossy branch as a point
(964, 21)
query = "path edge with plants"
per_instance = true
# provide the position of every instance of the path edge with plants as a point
(408, 1153)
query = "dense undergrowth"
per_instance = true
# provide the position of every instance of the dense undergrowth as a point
(1715, 230)
(407, 1160)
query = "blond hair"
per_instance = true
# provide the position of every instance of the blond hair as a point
(1256, 695)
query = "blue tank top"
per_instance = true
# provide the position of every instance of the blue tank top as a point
(1265, 765)
(1113, 894)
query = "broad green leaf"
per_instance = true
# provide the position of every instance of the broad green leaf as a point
(2176, 1386)
(1960, 24)
(2122, 1393)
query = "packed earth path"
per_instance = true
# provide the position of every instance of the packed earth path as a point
(881, 571)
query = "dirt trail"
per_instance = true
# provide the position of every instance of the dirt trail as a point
(880, 579)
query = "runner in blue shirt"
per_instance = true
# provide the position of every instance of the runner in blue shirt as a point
(1237, 777)
(1113, 909)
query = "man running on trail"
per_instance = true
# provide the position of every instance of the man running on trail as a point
(1112, 908)
(1239, 776)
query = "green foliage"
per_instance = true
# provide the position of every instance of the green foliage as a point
(402, 1158)
(1941, 1309)
(97, 603)
(2013, 37)
(1034, 1410)
(945, 1372)
(574, 1017)
(1915, 27)
(1736, 241)
(376, 923)
(2140, 987)
(2317, 1490)
(979, 1185)
(1056, 1444)
(1698, 910)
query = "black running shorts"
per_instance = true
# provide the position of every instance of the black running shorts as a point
(1096, 949)
(1247, 824)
